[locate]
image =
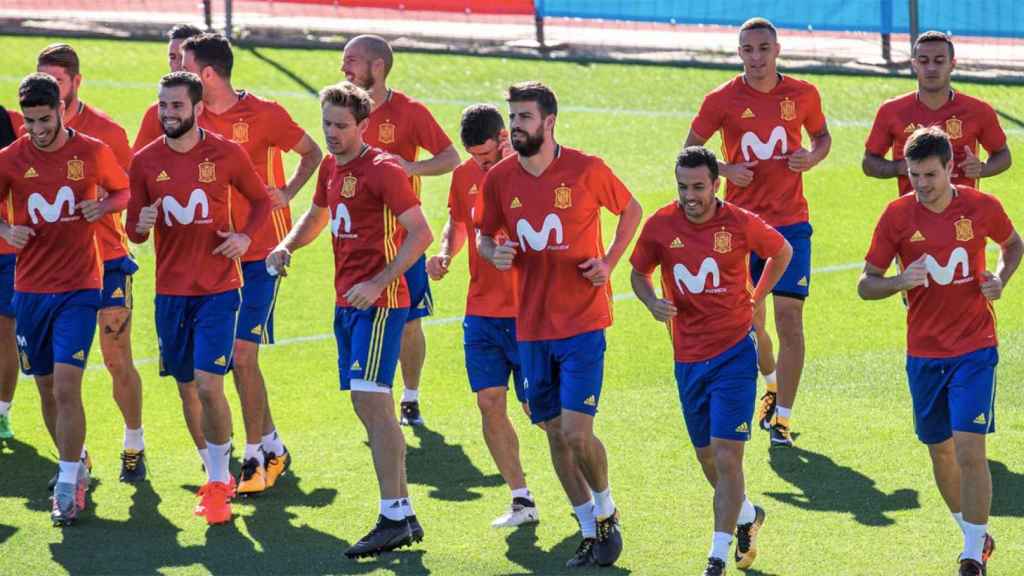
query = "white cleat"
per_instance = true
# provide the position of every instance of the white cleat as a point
(517, 515)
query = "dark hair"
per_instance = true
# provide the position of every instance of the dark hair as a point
(213, 50)
(927, 142)
(934, 36)
(186, 79)
(183, 32)
(697, 156)
(39, 90)
(378, 48)
(533, 91)
(62, 56)
(759, 23)
(348, 95)
(480, 123)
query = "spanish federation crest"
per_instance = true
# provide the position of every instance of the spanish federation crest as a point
(563, 197)
(964, 230)
(723, 242)
(955, 128)
(386, 133)
(240, 132)
(207, 172)
(76, 170)
(348, 186)
(787, 109)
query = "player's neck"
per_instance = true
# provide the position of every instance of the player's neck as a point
(379, 94)
(766, 84)
(72, 110)
(63, 135)
(705, 217)
(935, 100)
(942, 202)
(186, 142)
(219, 98)
(342, 159)
(539, 162)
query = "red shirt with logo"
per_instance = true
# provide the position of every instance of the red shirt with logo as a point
(401, 126)
(555, 219)
(948, 316)
(764, 127)
(150, 129)
(17, 125)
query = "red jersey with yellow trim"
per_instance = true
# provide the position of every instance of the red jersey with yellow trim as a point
(764, 128)
(264, 129)
(492, 293)
(555, 218)
(948, 316)
(968, 122)
(150, 129)
(401, 126)
(705, 273)
(17, 126)
(197, 192)
(365, 198)
(42, 190)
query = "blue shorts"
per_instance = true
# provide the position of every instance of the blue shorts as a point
(421, 303)
(563, 374)
(7, 284)
(368, 345)
(196, 333)
(492, 354)
(54, 328)
(259, 295)
(117, 282)
(956, 393)
(717, 395)
(796, 280)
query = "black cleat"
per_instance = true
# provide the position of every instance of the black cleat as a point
(780, 436)
(766, 411)
(133, 465)
(746, 539)
(609, 540)
(715, 567)
(414, 528)
(411, 414)
(386, 536)
(584, 555)
(970, 567)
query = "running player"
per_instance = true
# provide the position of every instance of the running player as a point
(401, 126)
(183, 188)
(150, 128)
(489, 329)
(50, 180)
(761, 115)
(264, 129)
(551, 196)
(379, 230)
(692, 239)
(11, 123)
(939, 234)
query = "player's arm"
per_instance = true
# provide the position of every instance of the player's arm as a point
(739, 174)
(142, 212)
(877, 166)
(774, 267)
(453, 237)
(875, 285)
(1010, 255)
(245, 180)
(113, 180)
(305, 231)
(418, 238)
(803, 160)
(599, 270)
(972, 166)
(441, 163)
(310, 156)
(879, 142)
(662, 309)
(16, 236)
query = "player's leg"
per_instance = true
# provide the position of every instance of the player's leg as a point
(8, 345)
(766, 365)
(414, 343)
(789, 294)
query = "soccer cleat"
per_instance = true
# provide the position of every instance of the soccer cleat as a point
(215, 502)
(87, 464)
(766, 410)
(746, 539)
(715, 567)
(6, 433)
(253, 479)
(988, 548)
(609, 540)
(133, 465)
(414, 528)
(584, 555)
(277, 465)
(411, 414)
(780, 435)
(522, 511)
(969, 567)
(386, 536)
(65, 501)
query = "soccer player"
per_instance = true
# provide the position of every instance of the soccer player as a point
(183, 188)
(11, 123)
(115, 314)
(50, 180)
(150, 129)
(550, 197)
(761, 115)
(264, 129)
(969, 122)
(939, 234)
(489, 329)
(378, 231)
(702, 245)
(401, 126)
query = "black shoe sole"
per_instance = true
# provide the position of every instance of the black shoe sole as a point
(378, 551)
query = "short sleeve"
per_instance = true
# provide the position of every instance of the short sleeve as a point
(138, 199)
(1000, 226)
(709, 117)
(111, 175)
(883, 245)
(117, 139)
(814, 121)
(491, 220)
(611, 193)
(395, 189)
(322, 178)
(880, 138)
(764, 240)
(429, 134)
(17, 122)
(644, 258)
(284, 132)
(244, 177)
(991, 136)
(149, 130)
(455, 209)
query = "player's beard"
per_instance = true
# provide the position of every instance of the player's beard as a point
(53, 136)
(530, 144)
(185, 124)
(70, 99)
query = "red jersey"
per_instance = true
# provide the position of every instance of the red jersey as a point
(150, 129)
(948, 316)
(365, 198)
(968, 122)
(704, 272)
(197, 193)
(555, 217)
(263, 128)
(17, 126)
(42, 190)
(492, 293)
(764, 128)
(401, 126)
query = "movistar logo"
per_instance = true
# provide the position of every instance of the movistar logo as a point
(944, 275)
(751, 145)
(538, 239)
(186, 214)
(341, 215)
(38, 206)
(695, 283)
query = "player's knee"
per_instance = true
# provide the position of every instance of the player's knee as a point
(971, 458)
(576, 439)
(120, 366)
(790, 322)
(246, 357)
(491, 403)
(728, 463)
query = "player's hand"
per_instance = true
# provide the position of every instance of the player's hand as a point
(279, 260)
(596, 270)
(234, 245)
(278, 198)
(91, 210)
(437, 266)
(972, 165)
(991, 286)
(663, 310)
(504, 255)
(914, 275)
(147, 217)
(801, 160)
(18, 236)
(739, 174)
(405, 164)
(364, 294)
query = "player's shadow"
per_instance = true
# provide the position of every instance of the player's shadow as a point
(294, 77)
(826, 486)
(6, 532)
(524, 551)
(25, 473)
(445, 467)
(1007, 490)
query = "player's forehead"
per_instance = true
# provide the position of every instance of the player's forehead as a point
(338, 114)
(170, 94)
(691, 175)
(485, 148)
(58, 72)
(934, 49)
(33, 113)
(174, 46)
(757, 37)
(526, 107)
(355, 50)
(925, 165)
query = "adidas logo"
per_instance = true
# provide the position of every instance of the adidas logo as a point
(80, 355)
(917, 237)
(590, 401)
(677, 243)
(356, 366)
(803, 281)
(516, 203)
(118, 293)
(748, 113)
(743, 428)
(31, 173)
(257, 330)
(981, 419)
(221, 361)
(162, 177)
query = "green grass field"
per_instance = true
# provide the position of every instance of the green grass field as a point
(856, 497)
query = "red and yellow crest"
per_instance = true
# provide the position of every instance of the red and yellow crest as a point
(386, 133)
(207, 172)
(563, 197)
(723, 242)
(964, 230)
(348, 186)
(955, 128)
(240, 132)
(76, 170)
(787, 109)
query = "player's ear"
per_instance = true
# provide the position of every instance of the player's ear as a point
(549, 122)
(198, 108)
(362, 125)
(77, 81)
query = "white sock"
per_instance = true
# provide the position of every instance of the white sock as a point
(747, 512)
(204, 453)
(769, 378)
(407, 508)
(392, 509)
(720, 543)
(68, 472)
(585, 514)
(5, 408)
(253, 451)
(959, 517)
(133, 439)
(217, 471)
(974, 540)
(272, 443)
(604, 506)
(783, 412)
(523, 492)
(410, 395)
(85, 453)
